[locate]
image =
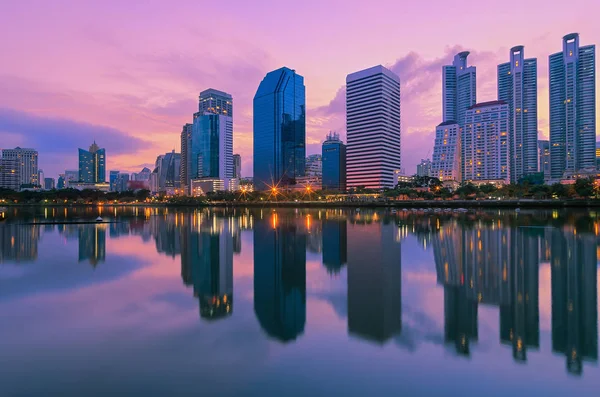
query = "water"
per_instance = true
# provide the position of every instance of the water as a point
(263, 302)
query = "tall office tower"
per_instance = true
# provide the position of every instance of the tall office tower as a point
(424, 168)
(186, 136)
(485, 143)
(373, 128)
(210, 153)
(333, 157)
(574, 267)
(112, 179)
(92, 164)
(544, 158)
(446, 164)
(41, 178)
(572, 108)
(459, 88)
(9, 174)
(517, 86)
(168, 167)
(374, 281)
(27, 162)
(237, 166)
(280, 275)
(279, 129)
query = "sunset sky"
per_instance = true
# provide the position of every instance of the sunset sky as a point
(128, 73)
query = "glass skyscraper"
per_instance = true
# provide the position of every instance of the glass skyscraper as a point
(544, 156)
(279, 129)
(92, 164)
(572, 108)
(459, 88)
(333, 160)
(517, 86)
(373, 127)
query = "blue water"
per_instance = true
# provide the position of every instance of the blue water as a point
(297, 302)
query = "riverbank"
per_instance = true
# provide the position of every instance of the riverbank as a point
(523, 203)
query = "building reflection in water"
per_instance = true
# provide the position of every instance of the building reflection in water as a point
(335, 241)
(92, 243)
(573, 260)
(19, 243)
(280, 274)
(374, 278)
(207, 241)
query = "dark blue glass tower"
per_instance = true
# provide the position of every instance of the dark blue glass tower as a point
(279, 129)
(92, 165)
(334, 163)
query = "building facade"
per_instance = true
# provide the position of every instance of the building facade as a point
(373, 128)
(459, 88)
(446, 163)
(92, 165)
(49, 183)
(572, 108)
(517, 86)
(9, 174)
(333, 157)
(237, 166)
(314, 166)
(27, 162)
(186, 137)
(544, 158)
(112, 180)
(168, 168)
(424, 168)
(485, 143)
(279, 129)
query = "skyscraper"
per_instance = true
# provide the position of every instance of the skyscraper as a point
(49, 183)
(186, 136)
(373, 127)
(572, 108)
(544, 158)
(27, 162)
(168, 167)
(485, 143)
(424, 168)
(459, 88)
(237, 166)
(41, 178)
(279, 129)
(517, 86)
(112, 179)
(211, 145)
(92, 164)
(333, 157)
(446, 164)
(9, 174)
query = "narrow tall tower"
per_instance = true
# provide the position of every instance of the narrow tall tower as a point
(459, 88)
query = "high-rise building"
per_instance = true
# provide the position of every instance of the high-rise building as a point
(27, 162)
(373, 128)
(112, 179)
(572, 108)
(446, 164)
(485, 143)
(60, 183)
(122, 182)
(314, 166)
(41, 178)
(186, 137)
(71, 176)
(215, 102)
(598, 155)
(279, 129)
(517, 86)
(333, 157)
(92, 164)
(237, 166)
(9, 174)
(168, 168)
(459, 88)
(424, 168)
(544, 158)
(49, 183)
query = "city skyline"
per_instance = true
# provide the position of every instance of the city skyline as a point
(147, 89)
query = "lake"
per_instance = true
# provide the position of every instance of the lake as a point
(298, 302)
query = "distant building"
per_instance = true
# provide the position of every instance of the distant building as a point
(71, 176)
(41, 177)
(446, 164)
(373, 128)
(92, 164)
(279, 129)
(9, 174)
(485, 142)
(424, 168)
(49, 183)
(122, 182)
(237, 166)
(572, 108)
(598, 155)
(333, 157)
(459, 88)
(314, 166)
(517, 86)
(199, 187)
(27, 163)
(112, 179)
(60, 183)
(401, 177)
(544, 158)
(168, 168)
(100, 186)
(186, 141)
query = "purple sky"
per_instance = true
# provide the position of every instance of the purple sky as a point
(128, 73)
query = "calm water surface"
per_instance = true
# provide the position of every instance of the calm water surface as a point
(285, 302)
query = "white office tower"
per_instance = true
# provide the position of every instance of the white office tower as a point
(446, 163)
(485, 143)
(517, 86)
(373, 128)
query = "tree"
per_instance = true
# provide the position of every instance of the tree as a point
(559, 190)
(584, 187)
